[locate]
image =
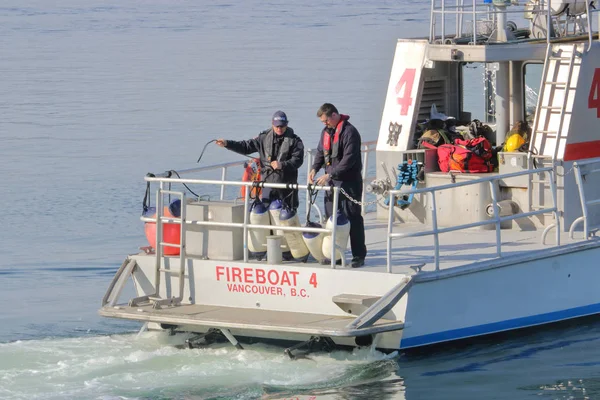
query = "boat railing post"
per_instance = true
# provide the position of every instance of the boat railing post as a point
(182, 247)
(579, 180)
(598, 20)
(553, 185)
(443, 21)
(389, 233)
(493, 184)
(474, 23)
(436, 239)
(364, 175)
(334, 212)
(460, 4)
(589, 25)
(223, 177)
(245, 239)
(308, 169)
(548, 22)
(159, 237)
(432, 22)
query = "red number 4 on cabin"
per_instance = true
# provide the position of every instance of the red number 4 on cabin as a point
(594, 97)
(406, 82)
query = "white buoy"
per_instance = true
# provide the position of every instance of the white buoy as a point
(573, 7)
(342, 233)
(274, 209)
(294, 239)
(314, 241)
(257, 238)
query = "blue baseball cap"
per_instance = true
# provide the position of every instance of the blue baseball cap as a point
(280, 119)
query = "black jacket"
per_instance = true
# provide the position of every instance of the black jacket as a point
(289, 152)
(346, 165)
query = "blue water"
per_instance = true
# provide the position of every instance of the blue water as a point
(94, 94)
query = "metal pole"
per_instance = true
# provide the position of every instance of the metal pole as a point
(548, 24)
(436, 239)
(389, 233)
(516, 91)
(158, 251)
(246, 194)
(555, 201)
(474, 23)
(336, 197)
(182, 247)
(502, 101)
(432, 23)
(309, 168)
(363, 208)
(589, 25)
(443, 21)
(579, 181)
(459, 18)
(223, 176)
(496, 218)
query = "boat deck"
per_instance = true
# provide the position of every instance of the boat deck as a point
(252, 319)
(413, 254)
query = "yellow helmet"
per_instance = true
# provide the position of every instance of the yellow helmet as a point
(514, 142)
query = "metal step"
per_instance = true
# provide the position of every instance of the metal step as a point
(556, 83)
(170, 244)
(170, 271)
(552, 108)
(357, 299)
(375, 312)
(206, 316)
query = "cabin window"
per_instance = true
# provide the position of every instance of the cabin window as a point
(532, 78)
(477, 94)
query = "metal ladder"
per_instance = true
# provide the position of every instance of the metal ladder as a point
(156, 299)
(543, 128)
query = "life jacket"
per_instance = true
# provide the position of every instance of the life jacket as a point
(331, 147)
(251, 174)
(286, 145)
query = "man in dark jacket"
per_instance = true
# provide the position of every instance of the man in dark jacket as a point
(281, 153)
(339, 152)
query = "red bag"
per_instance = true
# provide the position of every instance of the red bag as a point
(457, 158)
(480, 146)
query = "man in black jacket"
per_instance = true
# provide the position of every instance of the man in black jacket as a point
(339, 152)
(281, 153)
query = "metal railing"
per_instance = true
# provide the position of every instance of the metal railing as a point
(492, 13)
(497, 220)
(366, 148)
(160, 219)
(581, 170)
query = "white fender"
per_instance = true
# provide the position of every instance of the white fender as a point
(293, 239)
(574, 7)
(257, 238)
(314, 241)
(274, 209)
(342, 233)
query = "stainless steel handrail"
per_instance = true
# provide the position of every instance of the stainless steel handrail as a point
(435, 231)
(245, 225)
(366, 148)
(475, 9)
(579, 178)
